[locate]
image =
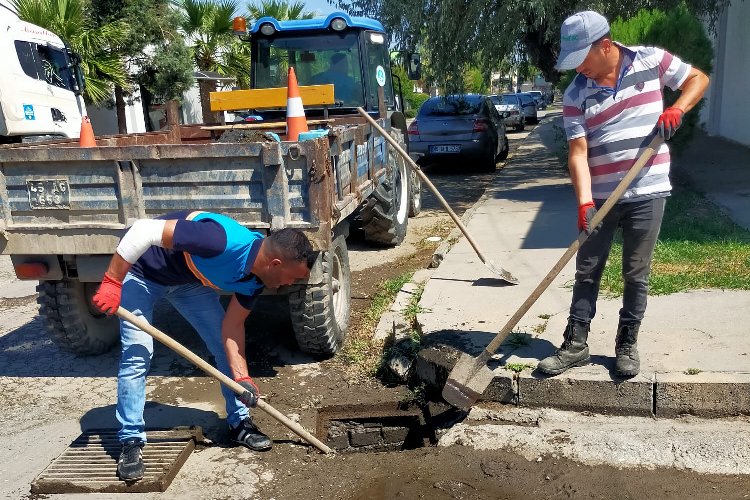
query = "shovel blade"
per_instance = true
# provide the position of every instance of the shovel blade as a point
(467, 382)
(501, 273)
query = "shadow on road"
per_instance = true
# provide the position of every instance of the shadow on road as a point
(30, 351)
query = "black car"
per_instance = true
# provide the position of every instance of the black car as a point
(459, 127)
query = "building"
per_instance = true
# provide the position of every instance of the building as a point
(727, 105)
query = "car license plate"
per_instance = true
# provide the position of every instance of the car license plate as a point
(49, 194)
(453, 148)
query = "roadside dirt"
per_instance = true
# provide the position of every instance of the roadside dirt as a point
(462, 473)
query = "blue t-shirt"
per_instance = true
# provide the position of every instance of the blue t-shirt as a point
(205, 238)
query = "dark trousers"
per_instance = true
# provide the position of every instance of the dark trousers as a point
(640, 222)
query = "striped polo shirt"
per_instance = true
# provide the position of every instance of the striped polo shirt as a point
(619, 122)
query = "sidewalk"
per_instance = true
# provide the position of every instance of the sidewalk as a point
(524, 223)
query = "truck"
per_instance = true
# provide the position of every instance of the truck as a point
(63, 208)
(39, 85)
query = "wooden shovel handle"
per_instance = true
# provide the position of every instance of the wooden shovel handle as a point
(209, 369)
(427, 182)
(552, 274)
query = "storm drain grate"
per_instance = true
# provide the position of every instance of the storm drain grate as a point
(89, 464)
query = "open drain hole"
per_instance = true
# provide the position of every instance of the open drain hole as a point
(373, 427)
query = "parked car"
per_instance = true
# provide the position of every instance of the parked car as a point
(458, 128)
(528, 106)
(541, 102)
(509, 104)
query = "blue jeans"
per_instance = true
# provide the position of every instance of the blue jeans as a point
(200, 306)
(640, 222)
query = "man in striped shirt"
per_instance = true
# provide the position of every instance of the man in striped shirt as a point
(611, 110)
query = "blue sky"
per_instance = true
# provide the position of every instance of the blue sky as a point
(322, 7)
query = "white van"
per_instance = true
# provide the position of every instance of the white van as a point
(39, 89)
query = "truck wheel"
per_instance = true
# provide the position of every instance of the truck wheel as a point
(415, 193)
(66, 310)
(320, 313)
(385, 214)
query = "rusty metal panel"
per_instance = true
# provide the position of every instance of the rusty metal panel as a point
(89, 464)
(93, 191)
(321, 192)
(232, 186)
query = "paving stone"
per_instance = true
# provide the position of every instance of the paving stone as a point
(364, 437)
(704, 394)
(395, 434)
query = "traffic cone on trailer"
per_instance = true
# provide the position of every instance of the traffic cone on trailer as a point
(86, 139)
(295, 112)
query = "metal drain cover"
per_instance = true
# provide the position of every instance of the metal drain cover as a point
(89, 464)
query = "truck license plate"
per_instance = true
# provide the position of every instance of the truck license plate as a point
(452, 148)
(49, 194)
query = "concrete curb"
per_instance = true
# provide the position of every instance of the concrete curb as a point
(591, 389)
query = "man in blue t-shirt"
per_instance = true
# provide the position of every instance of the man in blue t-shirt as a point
(187, 257)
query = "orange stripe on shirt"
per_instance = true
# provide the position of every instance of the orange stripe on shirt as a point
(189, 259)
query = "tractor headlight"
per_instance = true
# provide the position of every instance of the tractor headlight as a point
(267, 29)
(338, 24)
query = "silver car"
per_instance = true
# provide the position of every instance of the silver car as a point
(541, 102)
(509, 106)
(528, 107)
(465, 130)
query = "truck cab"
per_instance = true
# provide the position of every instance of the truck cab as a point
(39, 85)
(349, 52)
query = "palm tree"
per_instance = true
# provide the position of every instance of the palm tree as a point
(207, 27)
(102, 66)
(279, 9)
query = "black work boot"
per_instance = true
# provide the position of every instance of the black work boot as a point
(574, 350)
(130, 466)
(248, 434)
(627, 362)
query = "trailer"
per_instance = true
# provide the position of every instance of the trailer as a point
(63, 208)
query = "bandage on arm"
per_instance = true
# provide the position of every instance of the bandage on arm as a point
(143, 234)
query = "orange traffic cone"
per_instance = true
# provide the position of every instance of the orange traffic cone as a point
(87, 139)
(295, 112)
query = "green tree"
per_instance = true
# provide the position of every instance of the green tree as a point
(207, 27)
(484, 32)
(476, 81)
(279, 9)
(412, 100)
(682, 34)
(98, 46)
(155, 53)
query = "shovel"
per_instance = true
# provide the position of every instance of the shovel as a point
(498, 271)
(471, 376)
(206, 367)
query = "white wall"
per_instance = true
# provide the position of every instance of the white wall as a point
(104, 120)
(728, 105)
(191, 106)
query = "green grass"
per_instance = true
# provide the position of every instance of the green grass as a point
(692, 371)
(360, 349)
(698, 247)
(413, 308)
(518, 339)
(518, 367)
(384, 296)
